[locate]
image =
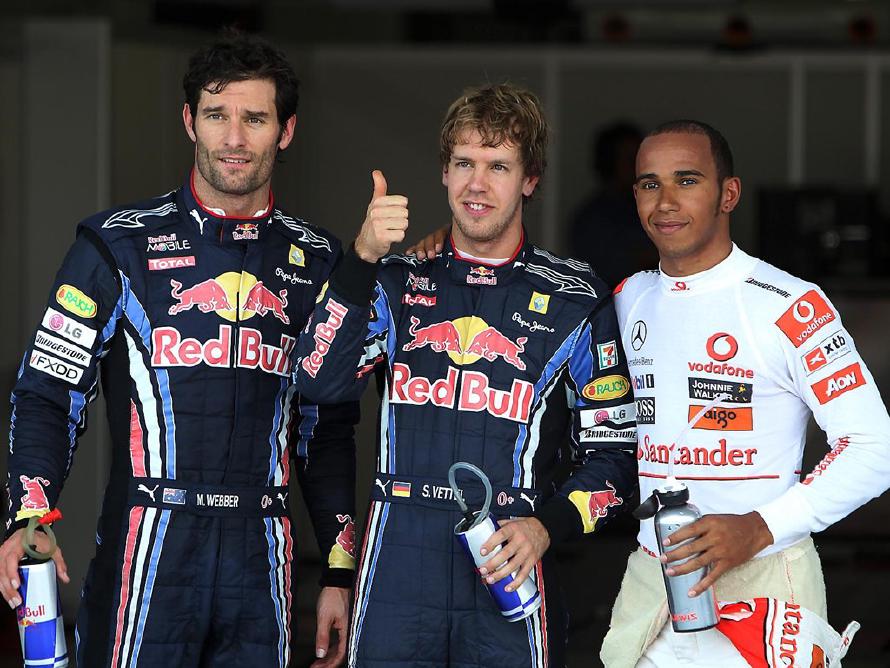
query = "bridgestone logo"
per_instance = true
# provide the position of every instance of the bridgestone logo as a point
(56, 345)
(768, 287)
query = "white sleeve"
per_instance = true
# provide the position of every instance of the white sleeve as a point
(831, 378)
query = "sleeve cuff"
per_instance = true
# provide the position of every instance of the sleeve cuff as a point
(354, 279)
(560, 517)
(337, 577)
(787, 516)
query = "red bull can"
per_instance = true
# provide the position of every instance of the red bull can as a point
(41, 627)
(514, 605)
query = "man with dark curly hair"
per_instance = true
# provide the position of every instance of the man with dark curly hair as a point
(189, 306)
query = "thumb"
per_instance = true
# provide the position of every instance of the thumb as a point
(322, 638)
(379, 184)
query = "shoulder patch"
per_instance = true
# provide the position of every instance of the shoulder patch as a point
(564, 282)
(620, 286)
(304, 231)
(401, 258)
(577, 265)
(133, 217)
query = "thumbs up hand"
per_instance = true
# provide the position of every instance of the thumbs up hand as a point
(385, 222)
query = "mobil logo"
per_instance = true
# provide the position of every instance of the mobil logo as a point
(233, 296)
(466, 340)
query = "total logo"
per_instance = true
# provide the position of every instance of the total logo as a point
(466, 340)
(220, 294)
(805, 317)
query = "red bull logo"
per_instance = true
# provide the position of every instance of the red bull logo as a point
(594, 506)
(466, 340)
(261, 300)
(346, 537)
(34, 498)
(169, 349)
(207, 295)
(246, 231)
(220, 295)
(481, 276)
(467, 390)
(324, 335)
(601, 501)
(342, 554)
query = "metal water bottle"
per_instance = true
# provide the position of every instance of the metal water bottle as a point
(41, 626)
(687, 614)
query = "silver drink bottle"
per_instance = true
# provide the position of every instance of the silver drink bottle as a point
(687, 614)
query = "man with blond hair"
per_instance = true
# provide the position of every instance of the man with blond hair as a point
(492, 351)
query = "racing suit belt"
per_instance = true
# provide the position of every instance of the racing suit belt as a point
(213, 500)
(436, 493)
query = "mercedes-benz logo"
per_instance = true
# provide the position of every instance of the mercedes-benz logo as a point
(638, 335)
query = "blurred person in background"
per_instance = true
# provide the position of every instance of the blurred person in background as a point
(605, 230)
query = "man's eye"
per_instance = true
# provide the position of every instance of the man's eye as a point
(688, 181)
(648, 185)
(499, 168)
(214, 117)
(256, 120)
(462, 163)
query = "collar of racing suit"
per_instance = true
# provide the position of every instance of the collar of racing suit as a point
(474, 272)
(721, 274)
(214, 225)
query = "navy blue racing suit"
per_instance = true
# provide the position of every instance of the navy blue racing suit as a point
(190, 318)
(499, 366)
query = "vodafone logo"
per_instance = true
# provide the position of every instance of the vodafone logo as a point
(722, 346)
(805, 317)
(803, 311)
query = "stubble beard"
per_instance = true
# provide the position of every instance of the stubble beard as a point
(487, 231)
(249, 182)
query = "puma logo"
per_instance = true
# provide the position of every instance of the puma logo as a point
(382, 485)
(150, 492)
(530, 500)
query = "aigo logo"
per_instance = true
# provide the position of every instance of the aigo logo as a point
(722, 346)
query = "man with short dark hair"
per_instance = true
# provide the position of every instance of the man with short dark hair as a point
(189, 305)
(717, 325)
(495, 353)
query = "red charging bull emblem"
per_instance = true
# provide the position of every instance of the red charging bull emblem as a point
(346, 537)
(261, 300)
(220, 295)
(466, 340)
(35, 497)
(601, 501)
(481, 276)
(246, 231)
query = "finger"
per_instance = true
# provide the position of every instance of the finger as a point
(495, 539)
(693, 564)
(689, 531)
(707, 581)
(520, 577)
(503, 570)
(61, 566)
(9, 581)
(398, 201)
(379, 184)
(322, 636)
(341, 647)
